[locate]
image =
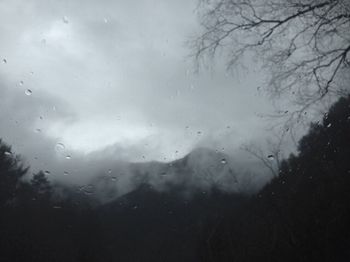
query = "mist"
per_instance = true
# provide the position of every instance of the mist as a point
(97, 90)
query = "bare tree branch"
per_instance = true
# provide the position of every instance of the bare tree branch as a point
(305, 44)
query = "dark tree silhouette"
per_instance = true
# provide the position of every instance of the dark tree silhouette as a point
(304, 213)
(11, 171)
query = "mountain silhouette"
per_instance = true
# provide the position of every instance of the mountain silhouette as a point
(203, 169)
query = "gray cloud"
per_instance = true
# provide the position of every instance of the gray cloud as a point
(110, 80)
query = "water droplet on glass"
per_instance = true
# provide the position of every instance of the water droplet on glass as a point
(28, 92)
(113, 178)
(65, 19)
(223, 161)
(6, 153)
(38, 130)
(21, 83)
(271, 157)
(329, 125)
(47, 173)
(68, 157)
(59, 147)
(65, 173)
(4, 61)
(109, 171)
(105, 20)
(199, 133)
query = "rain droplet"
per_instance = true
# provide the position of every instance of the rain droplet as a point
(87, 192)
(28, 92)
(68, 157)
(47, 173)
(271, 157)
(329, 125)
(38, 130)
(109, 171)
(4, 61)
(113, 178)
(21, 83)
(199, 133)
(6, 153)
(65, 173)
(223, 161)
(59, 147)
(65, 19)
(105, 20)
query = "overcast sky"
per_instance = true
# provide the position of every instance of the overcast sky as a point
(113, 78)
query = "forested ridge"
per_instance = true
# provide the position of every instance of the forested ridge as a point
(303, 214)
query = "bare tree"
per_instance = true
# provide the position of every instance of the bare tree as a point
(271, 157)
(304, 44)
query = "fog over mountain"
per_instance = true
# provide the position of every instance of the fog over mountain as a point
(90, 86)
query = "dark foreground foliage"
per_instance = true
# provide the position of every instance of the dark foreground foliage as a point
(304, 213)
(301, 215)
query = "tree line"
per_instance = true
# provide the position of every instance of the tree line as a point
(303, 214)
